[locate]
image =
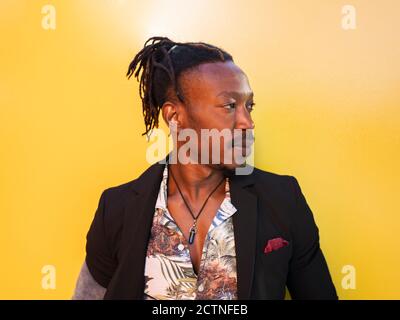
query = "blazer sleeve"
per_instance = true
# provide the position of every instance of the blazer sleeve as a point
(99, 259)
(309, 276)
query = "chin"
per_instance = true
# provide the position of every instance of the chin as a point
(238, 155)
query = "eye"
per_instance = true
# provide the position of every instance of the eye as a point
(250, 107)
(230, 106)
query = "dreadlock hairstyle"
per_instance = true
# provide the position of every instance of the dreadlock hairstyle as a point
(162, 61)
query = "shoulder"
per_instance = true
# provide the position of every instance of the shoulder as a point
(281, 195)
(119, 193)
(116, 197)
(270, 177)
(286, 186)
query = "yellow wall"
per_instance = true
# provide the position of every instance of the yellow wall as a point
(327, 112)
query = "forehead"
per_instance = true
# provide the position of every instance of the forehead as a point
(210, 80)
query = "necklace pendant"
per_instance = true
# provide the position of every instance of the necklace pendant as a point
(192, 234)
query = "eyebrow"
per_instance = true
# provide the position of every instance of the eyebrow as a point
(236, 94)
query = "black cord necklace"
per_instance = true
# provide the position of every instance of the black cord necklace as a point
(193, 229)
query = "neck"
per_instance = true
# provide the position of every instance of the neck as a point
(195, 180)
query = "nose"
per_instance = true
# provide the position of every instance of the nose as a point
(243, 119)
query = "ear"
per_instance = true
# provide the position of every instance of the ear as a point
(170, 113)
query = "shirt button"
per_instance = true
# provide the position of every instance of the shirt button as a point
(201, 287)
(181, 247)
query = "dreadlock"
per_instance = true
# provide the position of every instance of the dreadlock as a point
(162, 62)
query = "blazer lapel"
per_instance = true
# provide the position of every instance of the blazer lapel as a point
(244, 224)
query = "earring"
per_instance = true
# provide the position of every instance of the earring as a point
(172, 126)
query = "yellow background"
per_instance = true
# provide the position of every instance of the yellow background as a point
(327, 112)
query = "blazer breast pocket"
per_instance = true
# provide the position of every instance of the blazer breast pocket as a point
(273, 267)
(277, 257)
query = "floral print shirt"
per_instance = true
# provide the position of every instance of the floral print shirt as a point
(169, 273)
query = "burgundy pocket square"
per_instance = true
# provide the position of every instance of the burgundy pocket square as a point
(275, 244)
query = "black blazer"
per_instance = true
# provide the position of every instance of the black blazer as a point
(268, 206)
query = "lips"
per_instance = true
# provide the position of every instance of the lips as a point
(244, 142)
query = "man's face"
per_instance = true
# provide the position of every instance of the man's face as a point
(218, 96)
